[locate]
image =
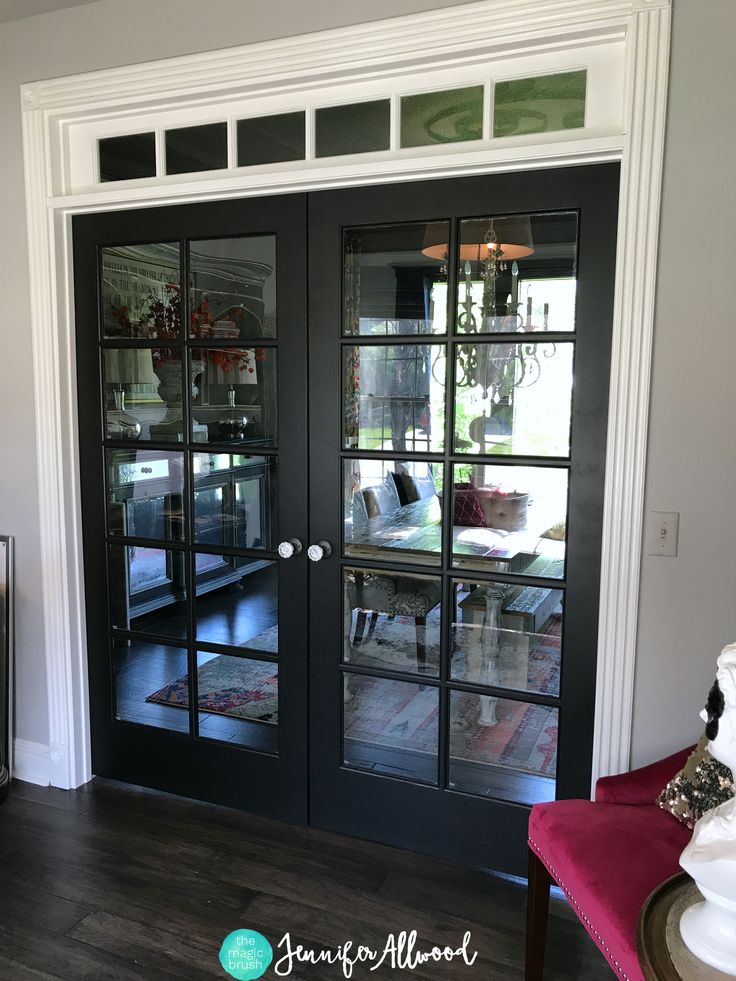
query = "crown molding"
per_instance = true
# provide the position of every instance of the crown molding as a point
(437, 38)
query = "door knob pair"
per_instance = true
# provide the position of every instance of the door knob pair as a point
(315, 553)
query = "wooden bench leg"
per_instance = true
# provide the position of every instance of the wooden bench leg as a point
(537, 908)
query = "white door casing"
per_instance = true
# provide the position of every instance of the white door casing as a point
(624, 44)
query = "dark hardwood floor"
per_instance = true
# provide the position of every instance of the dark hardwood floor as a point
(112, 881)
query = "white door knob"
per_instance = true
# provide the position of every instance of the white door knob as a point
(290, 547)
(322, 550)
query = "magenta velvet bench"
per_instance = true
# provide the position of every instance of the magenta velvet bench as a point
(606, 855)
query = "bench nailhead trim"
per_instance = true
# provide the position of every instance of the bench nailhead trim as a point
(601, 942)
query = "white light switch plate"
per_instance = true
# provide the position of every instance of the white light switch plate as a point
(664, 527)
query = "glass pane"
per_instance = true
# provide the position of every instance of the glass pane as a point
(356, 128)
(143, 393)
(507, 635)
(237, 602)
(392, 621)
(513, 398)
(392, 508)
(391, 727)
(442, 117)
(146, 677)
(271, 139)
(517, 273)
(232, 284)
(193, 148)
(513, 519)
(235, 397)
(140, 291)
(541, 104)
(502, 748)
(394, 397)
(145, 494)
(124, 158)
(395, 279)
(148, 590)
(235, 500)
(238, 701)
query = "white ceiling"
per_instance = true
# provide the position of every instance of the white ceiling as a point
(15, 9)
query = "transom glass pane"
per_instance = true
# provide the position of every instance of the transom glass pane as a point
(517, 273)
(394, 397)
(360, 127)
(442, 117)
(195, 148)
(271, 139)
(395, 279)
(124, 158)
(541, 104)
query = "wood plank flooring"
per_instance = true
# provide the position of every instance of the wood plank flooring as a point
(113, 881)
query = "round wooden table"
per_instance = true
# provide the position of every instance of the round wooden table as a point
(662, 954)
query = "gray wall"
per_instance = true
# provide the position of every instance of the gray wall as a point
(688, 609)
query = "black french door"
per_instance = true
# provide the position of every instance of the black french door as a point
(460, 335)
(342, 461)
(192, 387)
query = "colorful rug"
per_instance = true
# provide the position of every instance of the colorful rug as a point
(231, 686)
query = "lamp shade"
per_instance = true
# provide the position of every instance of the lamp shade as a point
(512, 235)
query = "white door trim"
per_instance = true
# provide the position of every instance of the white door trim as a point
(54, 111)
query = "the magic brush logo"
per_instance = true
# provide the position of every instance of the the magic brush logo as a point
(247, 954)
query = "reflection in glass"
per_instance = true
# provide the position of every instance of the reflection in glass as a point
(237, 602)
(235, 400)
(507, 635)
(143, 393)
(238, 700)
(195, 148)
(541, 104)
(360, 127)
(144, 675)
(392, 621)
(148, 590)
(517, 273)
(232, 284)
(442, 117)
(391, 727)
(124, 158)
(511, 519)
(145, 494)
(391, 285)
(392, 507)
(235, 499)
(140, 291)
(502, 748)
(394, 397)
(271, 139)
(513, 398)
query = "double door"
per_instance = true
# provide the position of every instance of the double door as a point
(342, 542)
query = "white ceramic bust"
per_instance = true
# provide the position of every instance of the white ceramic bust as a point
(709, 928)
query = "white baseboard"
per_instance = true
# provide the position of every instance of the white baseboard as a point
(31, 762)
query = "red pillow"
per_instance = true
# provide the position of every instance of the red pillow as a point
(468, 509)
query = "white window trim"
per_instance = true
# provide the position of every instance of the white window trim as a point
(54, 111)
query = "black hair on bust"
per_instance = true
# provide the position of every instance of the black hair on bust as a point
(714, 708)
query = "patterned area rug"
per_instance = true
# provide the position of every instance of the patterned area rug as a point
(229, 686)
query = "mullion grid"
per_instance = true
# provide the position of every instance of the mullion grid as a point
(448, 573)
(186, 546)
